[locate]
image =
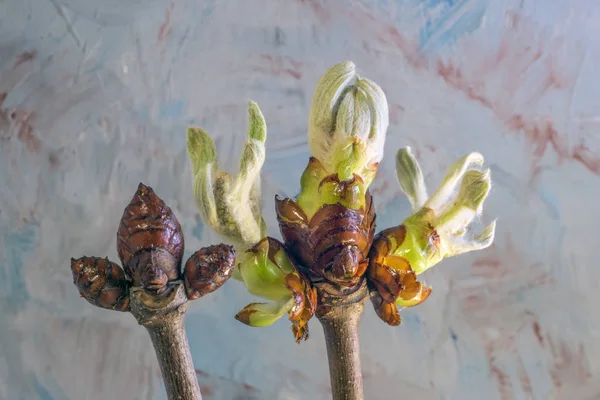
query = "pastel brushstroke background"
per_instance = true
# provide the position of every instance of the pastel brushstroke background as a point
(95, 96)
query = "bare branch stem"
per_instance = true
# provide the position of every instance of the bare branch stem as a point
(339, 314)
(163, 317)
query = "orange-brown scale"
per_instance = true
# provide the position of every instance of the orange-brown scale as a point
(305, 296)
(306, 304)
(392, 276)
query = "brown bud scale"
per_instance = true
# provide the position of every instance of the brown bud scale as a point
(101, 282)
(208, 269)
(305, 296)
(334, 243)
(150, 241)
(388, 312)
(306, 304)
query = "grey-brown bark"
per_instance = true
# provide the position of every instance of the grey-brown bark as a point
(164, 320)
(339, 313)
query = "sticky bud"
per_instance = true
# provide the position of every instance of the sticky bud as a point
(348, 123)
(208, 269)
(101, 282)
(150, 241)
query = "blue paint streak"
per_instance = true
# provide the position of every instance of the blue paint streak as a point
(411, 321)
(143, 114)
(468, 371)
(198, 230)
(42, 391)
(17, 246)
(49, 390)
(453, 336)
(453, 18)
(209, 8)
(552, 202)
(173, 109)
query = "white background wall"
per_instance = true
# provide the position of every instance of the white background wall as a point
(98, 95)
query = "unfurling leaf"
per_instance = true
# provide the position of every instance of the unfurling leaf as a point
(231, 206)
(348, 122)
(268, 272)
(436, 230)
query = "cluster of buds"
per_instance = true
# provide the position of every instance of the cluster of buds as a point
(329, 229)
(231, 206)
(150, 245)
(269, 273)
(437, 229)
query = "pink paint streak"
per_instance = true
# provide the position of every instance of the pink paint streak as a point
(277, 65)
(206, 391)
(53, 160)
(455, 78)
(537, 330)
(24, 57)
(396, 111)
(431, 148)
(568, 365)
(384, 34)
(526, 57)
(503, 382)
(249, 388)
(488, 296)
(503, 272)
(491, 307)
(587, 157)
(321, 11)
(165, 29)
(21, 122)
(561, 358)
(524, 379)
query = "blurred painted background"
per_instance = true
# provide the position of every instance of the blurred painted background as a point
(95, 96)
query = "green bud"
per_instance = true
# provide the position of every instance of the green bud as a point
(264, 269)
(318, 188)
(309, 199)
(438, 228)
(348, 123)
(230, 206)
(456, 171)
(411, 178)
(268, 273)
(265, 314)
(473, 190)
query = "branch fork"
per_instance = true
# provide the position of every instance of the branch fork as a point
(152, 287)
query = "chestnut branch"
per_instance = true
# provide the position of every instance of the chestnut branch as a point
(152, 286)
